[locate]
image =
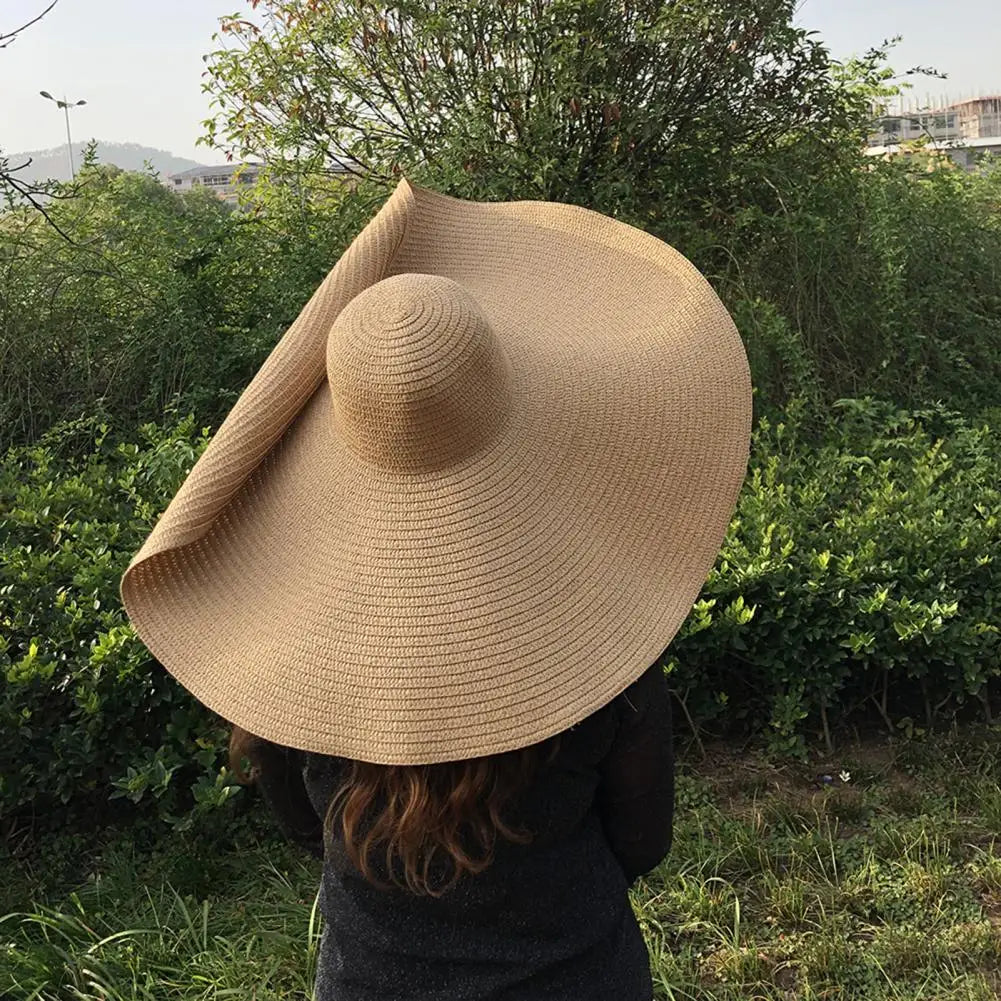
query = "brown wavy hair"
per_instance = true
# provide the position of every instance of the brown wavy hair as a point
(433, 822)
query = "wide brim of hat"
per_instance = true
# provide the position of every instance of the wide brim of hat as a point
(325, 603)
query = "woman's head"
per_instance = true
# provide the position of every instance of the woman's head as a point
(424, 825)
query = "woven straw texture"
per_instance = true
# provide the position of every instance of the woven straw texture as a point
(470, 496)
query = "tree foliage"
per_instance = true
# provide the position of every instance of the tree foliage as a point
(145, 298)
(621, 104)
(717, 125)
(858, 581)
(14, 188)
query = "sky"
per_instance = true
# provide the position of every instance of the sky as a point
(138, 64)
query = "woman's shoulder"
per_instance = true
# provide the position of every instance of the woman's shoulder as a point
(589, 737)
(648, 689)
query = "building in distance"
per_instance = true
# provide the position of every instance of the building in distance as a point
(228, 180)
(966, 131)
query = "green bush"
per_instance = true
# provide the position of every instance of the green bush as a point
(86, 715)
(144, 298)
(643, 111)
(844, 282)
(859, 575)
(743, 146)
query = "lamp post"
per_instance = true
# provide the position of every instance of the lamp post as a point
(65, 105)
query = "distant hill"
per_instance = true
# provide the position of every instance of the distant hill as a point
(53, 164)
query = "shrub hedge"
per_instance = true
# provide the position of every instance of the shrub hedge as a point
(843, 282)
(86, 716)
(859, 576)
(152, 299)
(883, 281)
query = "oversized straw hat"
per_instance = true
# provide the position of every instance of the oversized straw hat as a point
(470, 496)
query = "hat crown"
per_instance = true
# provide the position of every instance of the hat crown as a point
(417, 378)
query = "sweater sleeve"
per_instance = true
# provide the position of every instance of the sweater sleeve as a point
(279, 779)
(636, 790)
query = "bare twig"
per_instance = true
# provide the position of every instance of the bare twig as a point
(683, 702)
(31, 194)
(8, 37)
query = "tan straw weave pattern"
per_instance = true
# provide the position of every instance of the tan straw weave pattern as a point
(469, 497)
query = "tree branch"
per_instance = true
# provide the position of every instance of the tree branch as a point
(6, 39)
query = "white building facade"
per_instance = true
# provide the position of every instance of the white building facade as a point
(966, 132)
(224, 181)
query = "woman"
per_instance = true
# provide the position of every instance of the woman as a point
(510, 871)
(428, 560)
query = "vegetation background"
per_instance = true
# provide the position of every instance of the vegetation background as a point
(857, 592)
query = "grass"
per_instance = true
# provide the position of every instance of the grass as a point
(185, 920)
(882, 883)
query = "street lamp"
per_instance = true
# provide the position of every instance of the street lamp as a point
(65, 105)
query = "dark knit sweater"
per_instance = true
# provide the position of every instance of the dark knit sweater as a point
(546, 921)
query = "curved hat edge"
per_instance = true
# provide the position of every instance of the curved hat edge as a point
(295, 369)
(278, 391)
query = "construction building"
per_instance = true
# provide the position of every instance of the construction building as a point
(966, 131)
